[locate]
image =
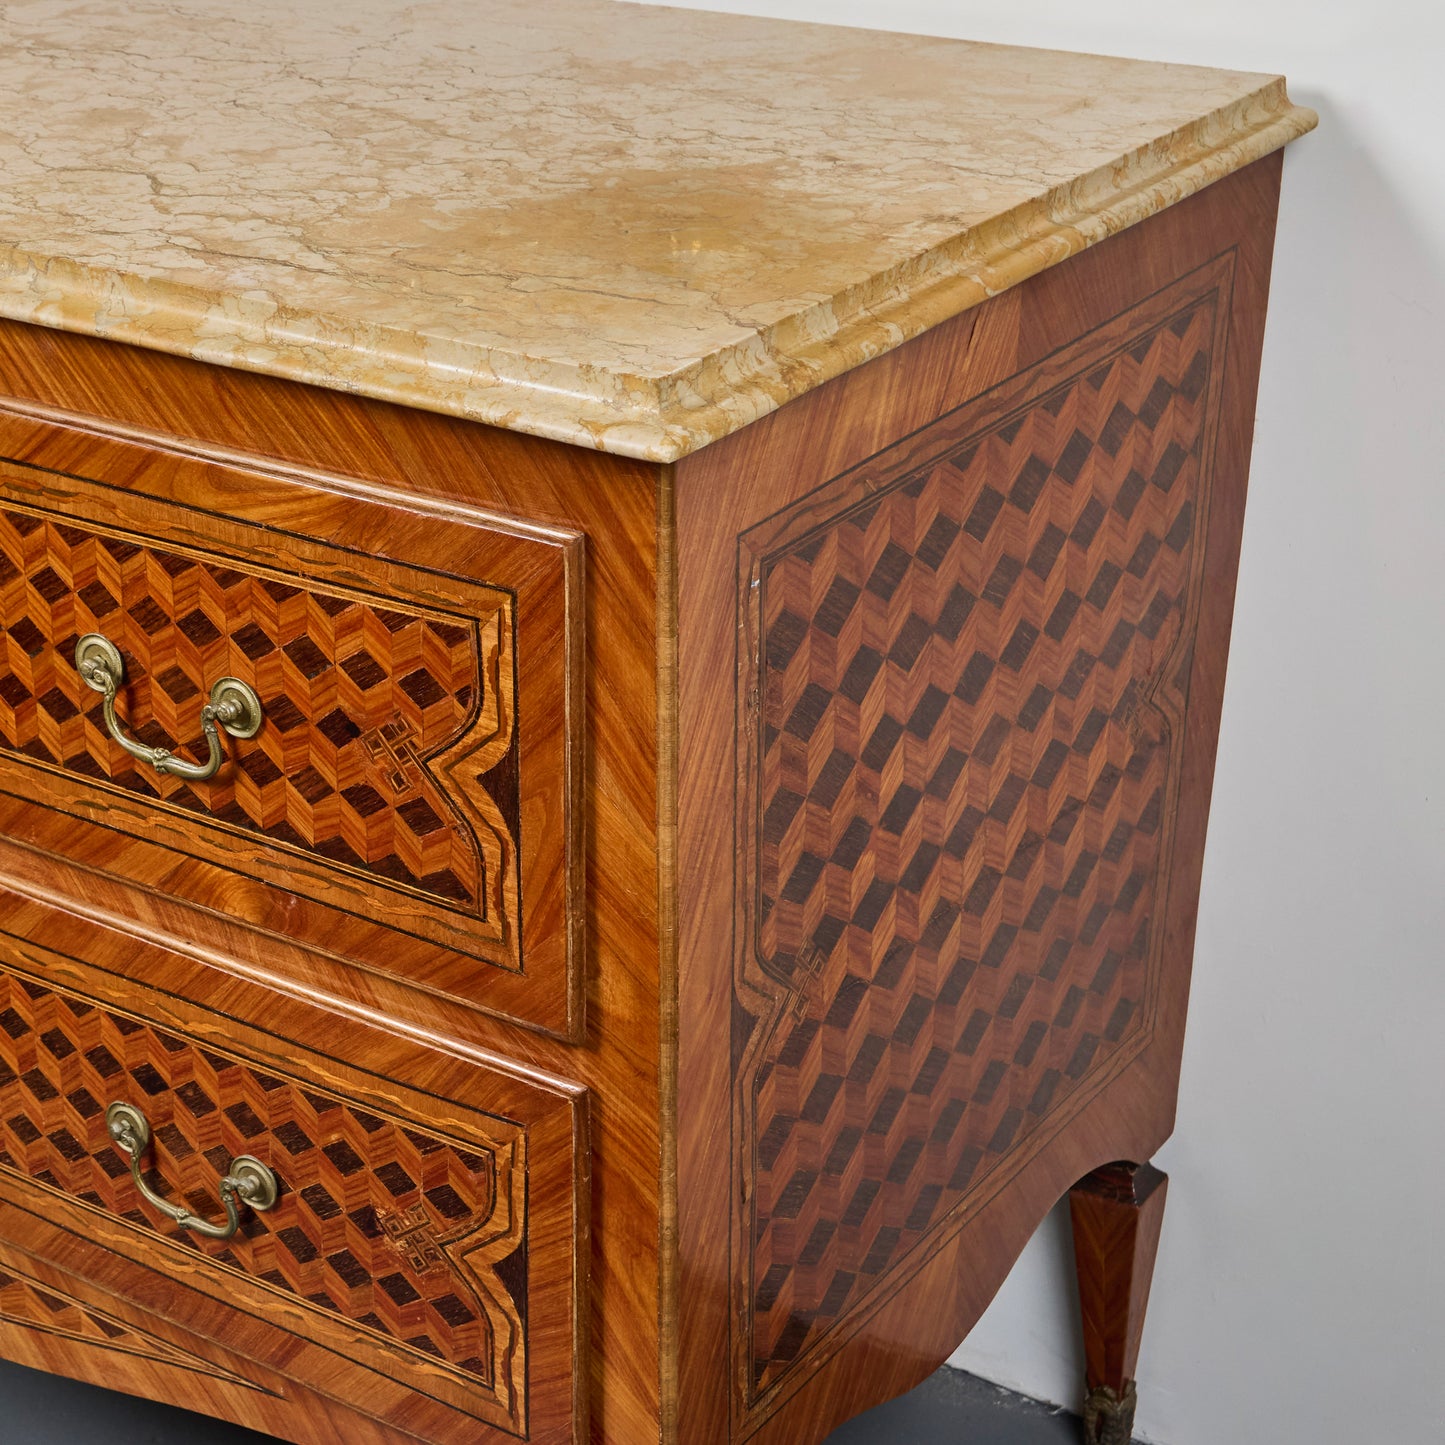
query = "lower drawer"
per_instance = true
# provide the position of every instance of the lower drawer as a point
(420, 1261)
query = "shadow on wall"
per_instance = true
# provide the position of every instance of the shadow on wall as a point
(1317, 967)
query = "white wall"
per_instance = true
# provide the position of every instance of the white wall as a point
(1300, 1294)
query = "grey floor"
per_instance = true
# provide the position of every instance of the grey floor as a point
(950, 1407)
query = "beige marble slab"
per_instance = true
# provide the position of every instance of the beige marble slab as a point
(627, 227)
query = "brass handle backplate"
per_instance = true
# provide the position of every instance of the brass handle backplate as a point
(248, 1182)
(233, 706)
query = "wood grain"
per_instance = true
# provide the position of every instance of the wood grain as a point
(1117, 1212)
(411, 1237)
(69, 1325)
(39, 1301)
(683, 1052)
(406, 736)
(320, 465)
(965, 663)
(796, 481)
(423, 1262)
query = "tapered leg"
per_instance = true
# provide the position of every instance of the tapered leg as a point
(1117, 1211)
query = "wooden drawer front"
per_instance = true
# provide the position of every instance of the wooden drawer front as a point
(406, 738)
(398, 1244)
(356, 696)
(369, 1198)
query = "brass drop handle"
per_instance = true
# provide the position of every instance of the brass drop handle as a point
(233, 706)
(248, 1182)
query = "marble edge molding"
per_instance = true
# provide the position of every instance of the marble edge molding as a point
(656, 419)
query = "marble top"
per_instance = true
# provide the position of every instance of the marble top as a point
(623, 226)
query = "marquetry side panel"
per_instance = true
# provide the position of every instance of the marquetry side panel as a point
(959, 717)
(384, 1230)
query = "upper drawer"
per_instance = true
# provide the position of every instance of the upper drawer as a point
(409, 800)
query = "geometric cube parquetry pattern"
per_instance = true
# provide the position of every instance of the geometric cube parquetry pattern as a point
(355, 695)
(368, 1205)
(961, 797)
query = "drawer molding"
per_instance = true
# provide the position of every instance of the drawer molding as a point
(32, 1304)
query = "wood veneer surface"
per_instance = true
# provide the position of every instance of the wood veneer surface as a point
(374, 1138)
(666, 1358)
(421, 467)
(827, 1296)
(391, 806)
